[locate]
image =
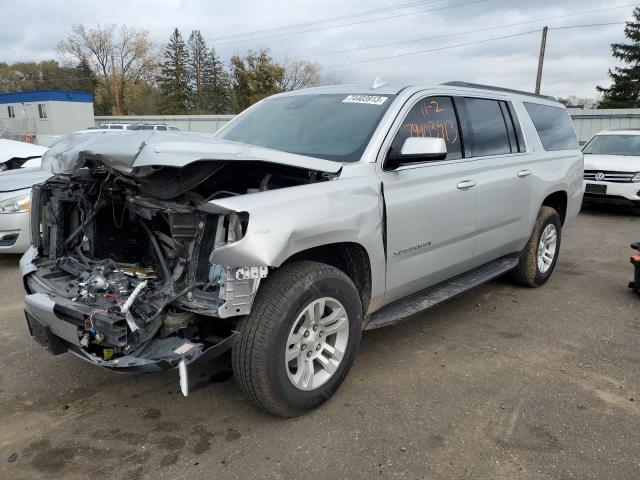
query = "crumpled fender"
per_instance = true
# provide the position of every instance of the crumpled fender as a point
(286, 221)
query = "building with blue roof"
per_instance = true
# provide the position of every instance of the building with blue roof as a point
(43, 115)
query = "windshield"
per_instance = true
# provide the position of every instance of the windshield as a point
(613, 145)
(333, 127)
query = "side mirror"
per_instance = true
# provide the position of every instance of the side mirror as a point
(418, 149)
(424, 148)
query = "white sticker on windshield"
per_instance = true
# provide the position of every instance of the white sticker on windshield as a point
(366, 99)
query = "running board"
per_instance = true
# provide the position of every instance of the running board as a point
(432, 296)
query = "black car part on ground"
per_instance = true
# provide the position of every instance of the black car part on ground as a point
(635, 261)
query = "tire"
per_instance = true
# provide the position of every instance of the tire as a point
(529, 272)
(265, 337)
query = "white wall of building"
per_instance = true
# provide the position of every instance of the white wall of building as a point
(61, 118)
(588, 122)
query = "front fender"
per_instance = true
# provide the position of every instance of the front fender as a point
(286, 221)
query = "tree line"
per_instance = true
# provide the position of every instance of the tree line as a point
(128, 75)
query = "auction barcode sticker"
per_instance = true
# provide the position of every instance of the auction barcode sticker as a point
(184, 348)
(366, 99)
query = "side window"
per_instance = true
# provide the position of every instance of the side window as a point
(431, 117)
(162, 127)
(42, 110)
(554, 126)
(487, 129)
(11, 111)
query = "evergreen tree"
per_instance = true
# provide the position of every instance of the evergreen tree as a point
(625, 90)
(218, 92)
(85, 78)
(197, 60)
(173, 80)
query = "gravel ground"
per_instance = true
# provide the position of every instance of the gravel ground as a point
(500, 383)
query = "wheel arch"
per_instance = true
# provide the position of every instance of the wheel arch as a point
(348, 257)
(557, 200)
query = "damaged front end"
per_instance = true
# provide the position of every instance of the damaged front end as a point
(120, 271)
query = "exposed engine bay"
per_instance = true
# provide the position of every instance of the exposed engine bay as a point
(126, 256)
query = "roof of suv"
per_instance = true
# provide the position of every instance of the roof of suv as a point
(395, 89)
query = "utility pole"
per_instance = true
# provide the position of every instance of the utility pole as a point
(116, 90)
(543, 47)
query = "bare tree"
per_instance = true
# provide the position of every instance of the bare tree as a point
(299, 74)
(121, 57)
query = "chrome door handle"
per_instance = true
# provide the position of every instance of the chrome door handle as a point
(466, 184)
(524, 173)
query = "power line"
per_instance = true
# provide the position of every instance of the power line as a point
(429, 50)
(371, 20)
(391, 44)
(588, 25)
(453, 46)
(325, 20)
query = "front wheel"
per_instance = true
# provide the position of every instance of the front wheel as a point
(539, 257)
(298, 343)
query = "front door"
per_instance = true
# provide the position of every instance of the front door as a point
(431, 207)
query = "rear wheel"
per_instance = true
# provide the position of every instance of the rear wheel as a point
(298, 343)
(539, 257)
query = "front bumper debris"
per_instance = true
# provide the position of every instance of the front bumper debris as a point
(59, 336)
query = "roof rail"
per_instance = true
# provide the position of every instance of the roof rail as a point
(498, 89)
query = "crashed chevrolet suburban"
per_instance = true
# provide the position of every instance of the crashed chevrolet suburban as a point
(312, 216)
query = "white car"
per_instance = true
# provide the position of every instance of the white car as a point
(15, 205)
(160, 127)
(118, 126)
(612, 167)
(15, 154)
(137, 126)
(20, 169)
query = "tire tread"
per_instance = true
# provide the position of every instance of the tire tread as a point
(249, 350)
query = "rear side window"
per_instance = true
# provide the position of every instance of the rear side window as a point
(486, 130)
(554, 127)
(431, 117)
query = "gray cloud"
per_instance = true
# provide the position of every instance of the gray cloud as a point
(577, 59)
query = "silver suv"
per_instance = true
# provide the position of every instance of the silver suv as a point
(311, 217)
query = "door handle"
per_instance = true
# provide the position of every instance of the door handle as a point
(524, 173)
(467, 184)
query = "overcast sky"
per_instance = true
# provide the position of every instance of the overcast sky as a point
(577, 59)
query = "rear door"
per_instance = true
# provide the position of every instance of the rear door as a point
(493, 137)
(431, 207)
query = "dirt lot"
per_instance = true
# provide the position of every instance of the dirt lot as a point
(503, 382)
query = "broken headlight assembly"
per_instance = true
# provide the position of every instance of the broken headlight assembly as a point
(19, 204)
